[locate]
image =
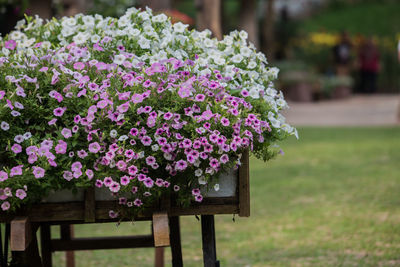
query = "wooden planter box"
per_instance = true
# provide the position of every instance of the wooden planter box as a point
(93, 205)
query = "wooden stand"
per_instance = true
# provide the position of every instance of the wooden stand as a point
(21, 229)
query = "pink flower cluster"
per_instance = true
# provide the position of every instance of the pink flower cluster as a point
(135, 128)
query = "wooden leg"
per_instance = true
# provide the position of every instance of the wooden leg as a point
(6, 242)
(45, 240)
(67, 232)
(1, 247)
(159, 257)
(208, 238)
(28, 258)
(175, 239)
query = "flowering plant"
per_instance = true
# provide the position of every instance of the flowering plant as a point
(135, 104)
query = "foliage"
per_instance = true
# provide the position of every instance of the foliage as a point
(135, 104)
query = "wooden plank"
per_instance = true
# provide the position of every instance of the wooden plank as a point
(208, 240)
(90, 205)
(160, 229)
(175, 239)
(159, 257)
(45, 240)
(93, 243)
(244, 185)
(21, 233)
(66, 233)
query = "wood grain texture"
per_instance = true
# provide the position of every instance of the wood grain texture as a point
(244, 185)
(112, 242)
(161, 229)
(90, 205)
(21, 233)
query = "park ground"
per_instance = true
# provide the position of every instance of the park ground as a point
(331, 200)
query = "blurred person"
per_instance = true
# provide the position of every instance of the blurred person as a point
(369, 66)
(342, 54)
(398, 50)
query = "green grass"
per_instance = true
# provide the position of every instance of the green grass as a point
(332, 200)
(366, 17)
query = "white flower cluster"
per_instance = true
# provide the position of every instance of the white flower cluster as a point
(153, 38)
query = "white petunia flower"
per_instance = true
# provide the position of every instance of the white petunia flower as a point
(180, 27)
(113, 133)
(216, 187)
(237, 58)
(119, 59)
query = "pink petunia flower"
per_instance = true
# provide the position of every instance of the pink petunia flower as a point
(115, 187)
(5, 206)
(17, 170)
(16, 148)
(20, 193)
(3, 176)
(94, 147)
(38, 172)
(58, 112)
(66, 133)
(10, 44)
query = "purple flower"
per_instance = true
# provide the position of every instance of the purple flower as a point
(94, 147)
(10, 44)
(89, 174)
(148, 182)
(224, 158)
(150, 160)
(61, 147)
(200, 98)
(196, 192)
(82, 154)
(112, 214)
(20, 193)
(114, 187)
(16, 148)
(99, 183)
(59, 111)
(132, 170)
(3, 176)
(198, 198)
(125, 180)
(17, 170)
(38, 172)
(225, 121)
(66, 133)
(108, 181)
(146, 140)
(137, 202)
(5, 206)
(137, 98)
(180, 165)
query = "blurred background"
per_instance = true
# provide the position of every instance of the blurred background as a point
(332, 197)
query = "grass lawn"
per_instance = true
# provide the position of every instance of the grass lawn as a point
(332, 200)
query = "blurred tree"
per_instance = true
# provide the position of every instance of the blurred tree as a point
(248, 20)
(157, 5)
(209, 16)
(268, 30)
(72, 7)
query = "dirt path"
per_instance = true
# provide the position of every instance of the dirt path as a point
(359, 110)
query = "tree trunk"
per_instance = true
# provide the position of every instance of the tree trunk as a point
(248, 19)
(268, 30)
(157, 5)
(73, 7)
(209, 16)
